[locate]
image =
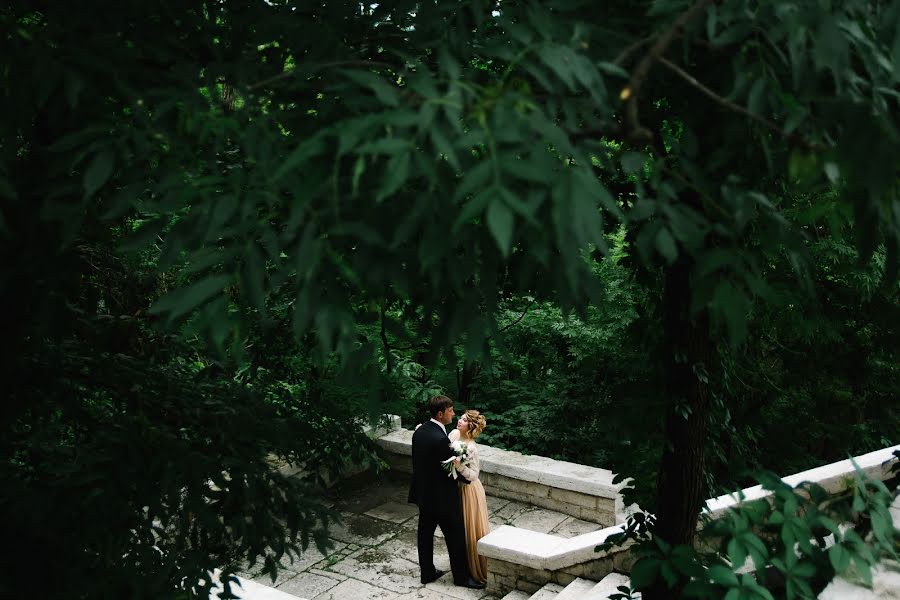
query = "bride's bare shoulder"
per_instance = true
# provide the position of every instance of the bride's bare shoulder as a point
(454, 435)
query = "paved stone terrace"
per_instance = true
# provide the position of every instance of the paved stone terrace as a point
(373, 556)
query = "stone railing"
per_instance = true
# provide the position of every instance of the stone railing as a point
(519, 559)
(834, 478)
(527, 560)
(586, 493)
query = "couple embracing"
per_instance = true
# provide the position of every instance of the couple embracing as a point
(453, 500)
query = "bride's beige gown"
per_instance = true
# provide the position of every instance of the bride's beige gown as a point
(474, 509)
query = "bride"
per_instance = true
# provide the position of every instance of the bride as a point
(474, 503)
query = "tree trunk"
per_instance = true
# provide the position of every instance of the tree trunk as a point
(681, 488)
(465, 380)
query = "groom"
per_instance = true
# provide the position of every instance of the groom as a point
(437, 497)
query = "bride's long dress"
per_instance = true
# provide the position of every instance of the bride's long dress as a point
(474, 508)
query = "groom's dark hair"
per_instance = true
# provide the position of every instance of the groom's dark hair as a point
(438, 404)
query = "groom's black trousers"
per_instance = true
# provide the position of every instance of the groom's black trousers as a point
(451, 524)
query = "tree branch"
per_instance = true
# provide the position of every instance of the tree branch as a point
(631, 49)
(318, 67)
(634, 130)
(522, 316)
(717, 98)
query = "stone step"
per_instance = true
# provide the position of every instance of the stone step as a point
(250, 590)
(607, 587)
(577, 590)
(549, 592)
(516, 595)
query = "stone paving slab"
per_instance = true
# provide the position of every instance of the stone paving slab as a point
(495, 503)
(291, 565)
(404, 546)
(573, 527)
(362, 529)
(509, 511)
(395, 512)
(353, 589)
(310, 585)
(375, 557)
(445, 587)
(382, 568)
(540, 519)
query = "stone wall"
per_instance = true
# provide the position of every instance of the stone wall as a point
(503, 576)
(583, 492)
(519, 559)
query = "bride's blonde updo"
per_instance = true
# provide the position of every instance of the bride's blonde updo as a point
(476, 422)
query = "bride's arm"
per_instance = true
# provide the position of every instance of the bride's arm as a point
(471, 471)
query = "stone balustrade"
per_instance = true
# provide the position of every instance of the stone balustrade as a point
(583, 492)
(519, 559)
(527, 560)
(834, 478)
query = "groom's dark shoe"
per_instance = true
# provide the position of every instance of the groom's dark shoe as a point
(437, 575)
(471, 583)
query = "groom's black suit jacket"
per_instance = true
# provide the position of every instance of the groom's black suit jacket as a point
(432, 489)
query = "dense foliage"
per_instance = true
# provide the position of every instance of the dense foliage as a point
(645, 235)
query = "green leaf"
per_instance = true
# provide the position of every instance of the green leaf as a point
(500, 222)
(666, 246)
(6, 189)
(389, 145)
(146, 233)
(359, 168)
(644, 573)
(444, 147)
(98, 172)
(253, 274)
(736, 552)
(723, 575)
(732, 306)
(561, 61)
(754, 99)
(633, 162)
(383, 90)
(186, 299)
(396, 174)
(307, 149)
(448, 64)
(804, 569)
(613, 69)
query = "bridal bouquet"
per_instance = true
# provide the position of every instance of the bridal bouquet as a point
(460, 451)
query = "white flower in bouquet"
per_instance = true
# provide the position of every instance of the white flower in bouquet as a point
(461, 452)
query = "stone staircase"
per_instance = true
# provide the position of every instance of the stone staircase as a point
(579, 589)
